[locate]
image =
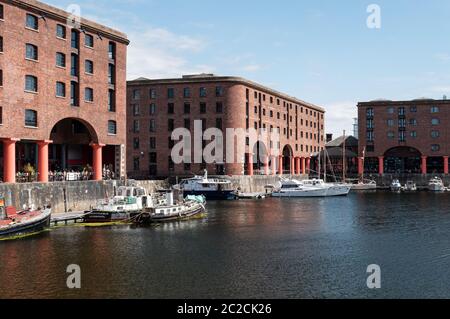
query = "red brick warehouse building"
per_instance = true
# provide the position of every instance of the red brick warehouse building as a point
(157, 107)
(62, 92)
(405, 137)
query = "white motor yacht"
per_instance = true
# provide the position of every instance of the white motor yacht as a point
(436, 185)
(396, 186)
(309, 188)
(333, 189)
(211, 188)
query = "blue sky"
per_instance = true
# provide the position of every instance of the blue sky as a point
(319, 51)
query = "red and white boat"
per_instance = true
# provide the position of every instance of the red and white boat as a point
(15, 224)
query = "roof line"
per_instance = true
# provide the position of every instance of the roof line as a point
(61, 15)
(235, 79)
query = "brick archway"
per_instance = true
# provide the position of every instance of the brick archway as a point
(288, 156)
(75, 146)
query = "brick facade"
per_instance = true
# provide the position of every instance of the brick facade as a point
(419, 128)
(51, 109)
(301, 123)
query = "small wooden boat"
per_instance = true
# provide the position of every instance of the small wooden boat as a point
(170, 211)
(15, 224)
(410, 186)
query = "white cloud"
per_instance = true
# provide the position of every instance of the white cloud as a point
(158, 53)
(340, 116)
(443, 57)
(251, 68)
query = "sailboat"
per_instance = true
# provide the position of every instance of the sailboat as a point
(364, 185)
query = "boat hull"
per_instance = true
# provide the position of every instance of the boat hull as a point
(436, 188)
(36, 226)
(212, 195)
(176, 217)
(300, 193)
(95, 217)
(364, 187)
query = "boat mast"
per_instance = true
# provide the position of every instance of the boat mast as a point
(319, 165)
(325, 165)
(343, 161)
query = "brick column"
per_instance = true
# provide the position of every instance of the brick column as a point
(381, 165)
(266, 165)
(280, 165)
(97, 161)
(303, 165)
(297, 166)
(292, 165)
(424, 165)
(360, 166)
(308, 165)
(274, 165)
(250, 164)
(43, 160)
(9, 160)
(446, 165)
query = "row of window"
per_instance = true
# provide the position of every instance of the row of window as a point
(171, 125)
(262, 97)
(136, 109)
(31, 120)
(401, 122)
(32, 22)
(219, 92)
(401, 111)
(413, 134)
(171, 144)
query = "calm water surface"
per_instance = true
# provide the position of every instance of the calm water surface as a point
(288, 248)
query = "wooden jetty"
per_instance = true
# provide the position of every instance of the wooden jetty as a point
(67, 218)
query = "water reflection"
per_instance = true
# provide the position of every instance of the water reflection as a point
(274, 248)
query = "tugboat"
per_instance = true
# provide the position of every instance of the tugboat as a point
(170, 211)
(15, 224)
(211, 188)
(129, 202)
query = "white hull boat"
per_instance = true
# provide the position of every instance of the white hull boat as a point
(410, 186)
(365, 186)
(309, 188)
(396, 186)
(436, 185)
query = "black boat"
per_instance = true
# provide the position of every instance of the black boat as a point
(15, 224)
(218, 188)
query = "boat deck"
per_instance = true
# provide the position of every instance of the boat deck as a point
(19, 217)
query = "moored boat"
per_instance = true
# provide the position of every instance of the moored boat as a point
(211, 188)
(170, 211)
(364, 186)
(410, 186)
(396, 186)
(129, 202)
(15, 224)
(436, 185)
(332, 189)
(309, 188)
